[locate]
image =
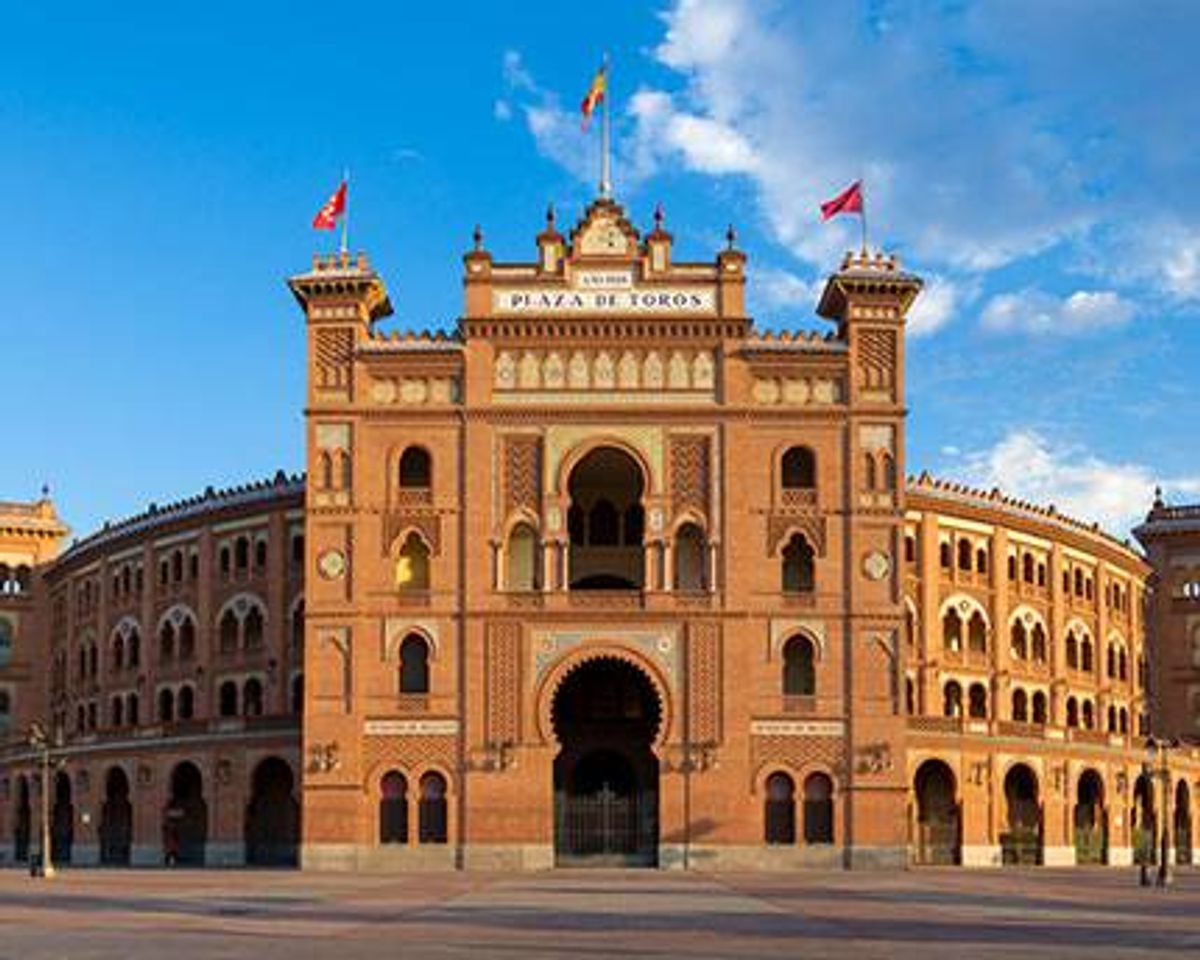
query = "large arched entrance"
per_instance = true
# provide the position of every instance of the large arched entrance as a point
(1091, 820)
(1183, 823)
(606, 715)
(62, 820)
(606, 522)
(1021, 845)
(185, 821)
(938, 835)
(116, 819)
(22, 822)
(272, 816)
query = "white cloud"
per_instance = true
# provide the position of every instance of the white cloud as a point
(1026, 465)
(705, 144)
(1036, 312)
(502, 110)
(781, 288)
(937, 304)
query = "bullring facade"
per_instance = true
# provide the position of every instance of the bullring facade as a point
(605, 576)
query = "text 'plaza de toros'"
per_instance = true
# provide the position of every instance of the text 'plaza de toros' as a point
(604, 576)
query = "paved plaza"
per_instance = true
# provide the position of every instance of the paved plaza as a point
(266, 915)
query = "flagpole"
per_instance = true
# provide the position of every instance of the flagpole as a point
(605, 168)
(863, 214)
(346, 213)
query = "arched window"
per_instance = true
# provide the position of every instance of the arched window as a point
(393, 808)
(977, 701)
(779, 810)
(1039, 708)
(416, 469)
(603, 525)
(187, 639)
(1123, 719)
(1085, 655)
(952, 700)
(1027, 567)
(252, 698)
(1089, 715)
(118, 652)
(944, 554)
(1072, 712)
(166, 643)
(241, 553)
(1041, 574)
(910, 696)
(1020, 706)
(1012, 567)
(296, 640)
(260, 554)
(690, 558)
(131, 710)
(228, 699)
(799, 670)
(1078, 582)
(1122, 665)
(1020, 641)
(576, 526)
(1039, 643)
(252, 629)
(116, 712)
(185, 704)
(818, 809)
(228, 632)
(166, 705)
(432, 824)
(981, 560)
(177, 566)
(952, 629)
(414, 665)
(964, 554)
(1111, 662)
(799, 469)
(799, 568)
(297, 700)
(1072, 650)
(977, 633)
(1112, 719)
(412, 566)
(520, 559)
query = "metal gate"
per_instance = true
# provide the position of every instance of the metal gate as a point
(937, 843)
(607, 829)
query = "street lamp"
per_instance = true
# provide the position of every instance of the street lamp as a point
(39, 739)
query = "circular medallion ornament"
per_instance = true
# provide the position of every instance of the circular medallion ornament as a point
(876, 565)
(332, 564)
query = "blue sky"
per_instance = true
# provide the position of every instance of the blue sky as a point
(1036, 162)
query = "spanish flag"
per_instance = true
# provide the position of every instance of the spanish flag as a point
(595, 95)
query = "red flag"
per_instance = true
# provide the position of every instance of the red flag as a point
(335, 207)
(849, 200)
(595, 96)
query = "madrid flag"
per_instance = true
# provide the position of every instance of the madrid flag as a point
(334, 208)
(849, 200)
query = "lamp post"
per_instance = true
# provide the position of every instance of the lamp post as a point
(1157, 756)
(39, 739)
(1147, 813)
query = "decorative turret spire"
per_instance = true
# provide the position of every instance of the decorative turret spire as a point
(477, 236)
(730, 237)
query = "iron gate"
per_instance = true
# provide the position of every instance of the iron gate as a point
(607, 829)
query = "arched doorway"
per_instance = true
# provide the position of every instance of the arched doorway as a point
(22, 822)
(1183, 823)
(1145, 822)
(606, 715)
(606, 522)
(62, 820)
(1021, 845)
(938, 836)
(272, 816)
(1091, 820)
(185, 821)
(116, 819)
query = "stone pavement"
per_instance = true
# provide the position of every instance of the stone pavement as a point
(178, 915)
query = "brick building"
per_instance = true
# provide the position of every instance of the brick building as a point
(606, 575)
